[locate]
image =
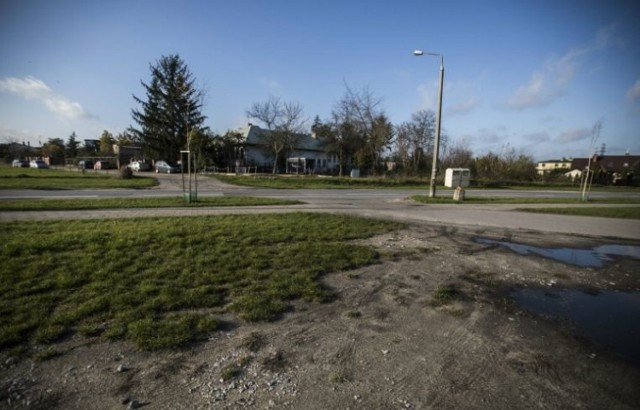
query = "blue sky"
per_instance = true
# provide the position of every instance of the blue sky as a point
(529, 75)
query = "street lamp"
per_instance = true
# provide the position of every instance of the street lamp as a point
(436, 143)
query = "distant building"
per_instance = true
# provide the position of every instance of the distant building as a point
(126, 154)
(545, 167)
(608, 168)
(21, 150)
(308, 154)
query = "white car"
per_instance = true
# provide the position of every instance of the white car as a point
(38, 163)
(140, 166)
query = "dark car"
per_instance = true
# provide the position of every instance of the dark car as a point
(167, 167)
(85, 164)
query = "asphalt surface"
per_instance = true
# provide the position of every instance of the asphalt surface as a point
(387, 204)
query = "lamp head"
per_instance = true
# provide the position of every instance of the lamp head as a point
(418, 53)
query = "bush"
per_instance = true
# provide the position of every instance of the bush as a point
(125, 172)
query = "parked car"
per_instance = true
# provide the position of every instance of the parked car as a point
(101, 165)
(20, 163)
(168, 167)
(140, 166)
(85, 164)
(38, 163)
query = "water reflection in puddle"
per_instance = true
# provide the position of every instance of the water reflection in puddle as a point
(593, 258)
(610, 319)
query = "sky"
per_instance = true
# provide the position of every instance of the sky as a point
(534, 76)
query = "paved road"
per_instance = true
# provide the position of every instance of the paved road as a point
(390, 204)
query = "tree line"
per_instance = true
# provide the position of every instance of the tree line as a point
(358, 132)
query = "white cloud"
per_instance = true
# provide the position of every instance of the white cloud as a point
(633, 93)
(32, 88)
(536, 93)
(551, 82)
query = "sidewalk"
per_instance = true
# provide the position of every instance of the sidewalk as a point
(493, 216)
(387, 204)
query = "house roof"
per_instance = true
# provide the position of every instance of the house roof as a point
(609, 163)
(551, 161)
(254, 135)
(18, 148)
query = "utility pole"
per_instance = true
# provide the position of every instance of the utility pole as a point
(436, 143)
(586, 181)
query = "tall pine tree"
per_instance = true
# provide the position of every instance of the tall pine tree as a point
(71, 149)
(172, 109)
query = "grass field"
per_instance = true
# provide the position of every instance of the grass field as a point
(27, 178)
(317, 182)
(161, 282)
(329, 182)
(124, 203)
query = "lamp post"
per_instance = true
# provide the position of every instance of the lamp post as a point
(436, 143)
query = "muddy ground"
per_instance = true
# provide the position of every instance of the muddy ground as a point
(383, 343)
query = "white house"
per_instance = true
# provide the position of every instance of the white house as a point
(545, 167)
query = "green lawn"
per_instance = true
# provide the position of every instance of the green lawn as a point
(156, 202)
(322, 182)
(163, 282)
(628, 212)
(328, 182)
(28, 178)
(605, 212)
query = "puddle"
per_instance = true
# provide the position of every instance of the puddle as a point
(595, 257)
(609, 319)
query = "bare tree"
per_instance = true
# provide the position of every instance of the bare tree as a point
(422, 133)
(370, 132)
(266, 112)
(339, 138)
(414, 141)
(458, 155)
(283, 120)
(402, 153)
